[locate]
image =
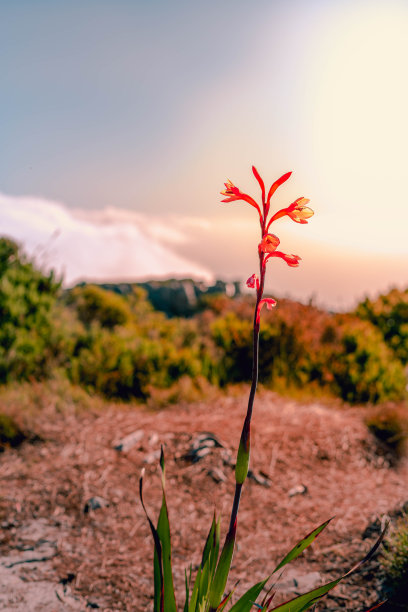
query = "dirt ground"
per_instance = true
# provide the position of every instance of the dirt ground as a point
(74, 536)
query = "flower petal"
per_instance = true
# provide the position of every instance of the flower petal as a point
(297, 211)
(269, 243)
(233, 193)
(291, 260)
(260, 181)
(277, 184)
(252, 281)
(301, 213)
(270, 303)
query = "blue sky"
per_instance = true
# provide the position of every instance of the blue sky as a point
(147, 107)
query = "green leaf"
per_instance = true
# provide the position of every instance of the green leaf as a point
(163, 530)
(194, 595)
(225, 601)
(205, 581)
(209, 543)
(245, 603)
(221, 573)
(158, 600)
(187, 584)
(300, 546)
(158, 604)
(303, 602)
(215, 550)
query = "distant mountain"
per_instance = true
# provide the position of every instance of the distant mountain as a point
(176, 298)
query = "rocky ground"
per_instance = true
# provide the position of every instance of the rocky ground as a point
(74, 536)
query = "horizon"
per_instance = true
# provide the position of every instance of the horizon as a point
(123, 121)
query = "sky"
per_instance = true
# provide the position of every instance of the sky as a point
(120, 121)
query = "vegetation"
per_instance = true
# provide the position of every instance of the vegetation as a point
(389, 424)
(27, 302)
(394, 561)
(389, 313)
(209, 591)
(119, 346)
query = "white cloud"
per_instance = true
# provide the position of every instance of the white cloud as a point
(108, 244)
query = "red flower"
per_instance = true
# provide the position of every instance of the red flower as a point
(291, 260)
(269, 243)
(297, 211)
(270, 303)
(253, 282)
(233, 193)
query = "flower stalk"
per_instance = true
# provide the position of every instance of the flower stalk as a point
(207, 592)
(266, 249)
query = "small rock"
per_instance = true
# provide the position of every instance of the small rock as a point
(94, 503)
(152, 457)
(129, 441)
(217, 475)
(201, 445)
(300, 489)
(260, 478)
(153, 439)
(295, 582)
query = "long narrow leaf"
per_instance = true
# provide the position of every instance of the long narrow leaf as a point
(300, 546)
(158, 605)
(305, 601)
(246, 602)
(163, 530)
(215, 550)
(209, 543)
(194, 595)
(187, 586)
(211, 560)
(222, 571)
(205, 581)
(224, 602)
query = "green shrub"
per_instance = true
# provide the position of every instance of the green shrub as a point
(93, 303)
(230, 333)
(27, 302)
(389, 424)
(303, 346)
(394, 561)
(389, 313)
(10, 433)
(127, 365)
(363, 367)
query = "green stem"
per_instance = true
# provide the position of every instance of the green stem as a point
(243, 455)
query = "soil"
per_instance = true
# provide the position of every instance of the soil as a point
(74, 536)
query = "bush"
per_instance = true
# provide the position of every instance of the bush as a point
(127, 365)
(389, 313)
(230, 333)
(394, 562)
(389, 424)
(10, 433)
(93, 303)
(363, 367)
(27, 300)
(303, 346)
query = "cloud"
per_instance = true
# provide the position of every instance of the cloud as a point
(99, 245)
